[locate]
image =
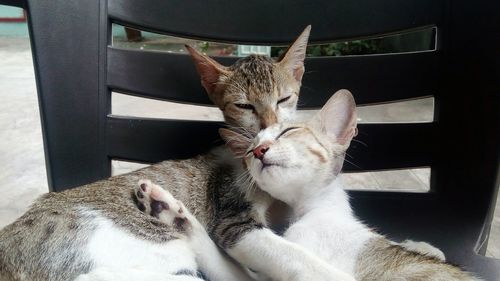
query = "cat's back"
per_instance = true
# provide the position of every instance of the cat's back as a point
(383, 260)
(50, 241)
(49, 237)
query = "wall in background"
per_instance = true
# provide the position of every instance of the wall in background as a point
(12, 22)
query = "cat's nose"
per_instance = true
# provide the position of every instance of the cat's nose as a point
(260, 150)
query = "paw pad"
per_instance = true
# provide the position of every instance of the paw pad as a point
(161, 204)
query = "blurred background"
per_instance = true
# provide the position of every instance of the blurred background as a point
(23, 175)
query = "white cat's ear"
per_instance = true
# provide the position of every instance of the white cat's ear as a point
(293, 59)
(237, 142)
(210, 71)
(338, 117)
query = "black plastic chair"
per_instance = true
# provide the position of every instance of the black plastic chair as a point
(77, 68)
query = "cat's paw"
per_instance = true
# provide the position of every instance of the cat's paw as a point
(423, 248)
(161, 204)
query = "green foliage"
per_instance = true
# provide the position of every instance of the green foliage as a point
(408, 42)
(204, 46)
(357, 47)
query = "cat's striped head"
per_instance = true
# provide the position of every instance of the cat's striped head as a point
(287, 158)
(256, 91)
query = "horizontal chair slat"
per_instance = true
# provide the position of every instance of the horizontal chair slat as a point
(372, 79)
(388, 146)
(261, 21)
(154, 140)
(391, 146)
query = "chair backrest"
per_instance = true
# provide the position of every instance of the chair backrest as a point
(77, 68)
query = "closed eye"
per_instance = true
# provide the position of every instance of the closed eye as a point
(284, 99)
(287, 130)
(245, 106)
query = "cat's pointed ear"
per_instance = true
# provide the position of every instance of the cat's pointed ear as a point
(237, 142)
(293, 59)
(338, 117)
(209, 70)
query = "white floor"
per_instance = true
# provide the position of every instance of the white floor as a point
(23, 178)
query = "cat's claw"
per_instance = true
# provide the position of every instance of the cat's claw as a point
(158, 202)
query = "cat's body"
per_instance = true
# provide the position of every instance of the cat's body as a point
(299, 164)
(325, 224)
(96, 232)
(98, 225)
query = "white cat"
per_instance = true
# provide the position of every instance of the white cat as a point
(299, 164)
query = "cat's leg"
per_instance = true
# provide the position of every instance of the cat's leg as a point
(273, 256)
(247, 241)
(243, 236)
(211, 261)
(124, 274)
(119, 256)
(423, 248)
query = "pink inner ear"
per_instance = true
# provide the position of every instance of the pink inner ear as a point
(208, 69)
(338, 116)
(347, 136)
(209, 77)
(297, 73)
(293, 60)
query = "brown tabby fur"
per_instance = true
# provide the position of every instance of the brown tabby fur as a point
(48, 241)
(384, 261)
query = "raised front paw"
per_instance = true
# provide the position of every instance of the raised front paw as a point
(158, 202)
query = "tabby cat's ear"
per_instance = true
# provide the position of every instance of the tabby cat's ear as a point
(237, 142)
(210, 71)
(338, 117)
(293, 59)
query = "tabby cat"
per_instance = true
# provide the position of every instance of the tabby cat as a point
(97, 227)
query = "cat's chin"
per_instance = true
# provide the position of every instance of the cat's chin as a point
(269, 166)
(275, 172)
(265, 171)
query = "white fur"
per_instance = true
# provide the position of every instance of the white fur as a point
(302, 171)
(118, 255)
(112, 247)
(423, 248)
(327, 227)
(209, 257)
(265, 252)
(324, 222)
(116, 274)
(294, 166)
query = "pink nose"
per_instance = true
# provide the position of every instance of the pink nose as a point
(260, 150)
